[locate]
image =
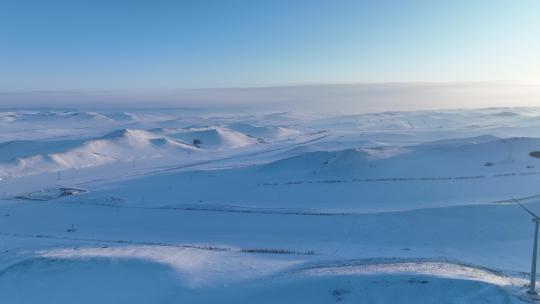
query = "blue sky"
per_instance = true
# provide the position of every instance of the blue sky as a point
(116, 45)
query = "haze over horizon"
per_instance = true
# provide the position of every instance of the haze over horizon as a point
(327, 98)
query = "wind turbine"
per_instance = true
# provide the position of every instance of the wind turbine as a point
(535, 219)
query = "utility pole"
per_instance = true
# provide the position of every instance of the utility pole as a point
(536, 220)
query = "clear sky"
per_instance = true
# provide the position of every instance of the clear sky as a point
(84, 51)
(123, 45)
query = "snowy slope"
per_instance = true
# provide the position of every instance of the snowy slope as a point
(219, 138)
(395, 207)
(121, 145)
(364, 180)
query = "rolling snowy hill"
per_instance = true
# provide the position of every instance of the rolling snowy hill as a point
(275, 207)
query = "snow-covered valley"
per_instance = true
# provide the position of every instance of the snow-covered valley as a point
(176, 206)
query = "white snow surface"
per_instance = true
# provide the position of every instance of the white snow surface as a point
(188, 206)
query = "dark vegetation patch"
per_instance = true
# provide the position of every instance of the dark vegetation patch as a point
(276, 251)
(339, 293)
(535, 154)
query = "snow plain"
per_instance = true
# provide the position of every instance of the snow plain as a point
(187, 206)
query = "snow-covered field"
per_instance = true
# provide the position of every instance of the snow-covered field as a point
(188, 206)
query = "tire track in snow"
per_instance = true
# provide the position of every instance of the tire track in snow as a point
(275, 211)
(398, 179)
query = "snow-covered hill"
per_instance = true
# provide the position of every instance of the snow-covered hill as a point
(177, 205)
(119, 146)
(218, 138)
